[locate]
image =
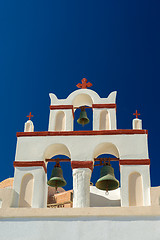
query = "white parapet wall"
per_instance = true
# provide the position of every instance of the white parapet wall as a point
(85, 223)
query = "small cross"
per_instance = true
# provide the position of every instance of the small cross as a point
(84, 84)
(136, 114)
(29, 116)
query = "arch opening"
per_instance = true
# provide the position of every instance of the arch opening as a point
(56, 149)
(53, 152)
(67, 175)
(97, 169)
(26, 191)
(106, 148)
(88, 126)
(135, 189)
(79, 101)
(82, 100)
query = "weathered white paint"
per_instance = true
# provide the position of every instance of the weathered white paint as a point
(144, 171)
(137, 123)
(83, 228)
(81, 187)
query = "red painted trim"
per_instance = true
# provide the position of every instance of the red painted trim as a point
(82, 164)
(56, 107)
(83, 133)
(111, 105)
(134, 162)
(30, 164)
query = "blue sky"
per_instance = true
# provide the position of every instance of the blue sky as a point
(49, 46)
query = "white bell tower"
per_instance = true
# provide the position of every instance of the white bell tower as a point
(129, 146)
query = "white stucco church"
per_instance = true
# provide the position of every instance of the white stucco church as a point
(131, 209)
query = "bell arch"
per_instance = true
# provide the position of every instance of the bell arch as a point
(56, 149)
(60, 121)
(105, 148)
(82, 100)
(26, 191)
(104, 120)
(135, 189)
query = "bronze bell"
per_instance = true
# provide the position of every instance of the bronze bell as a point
(107, 180)
(83, 119)
(56, 180)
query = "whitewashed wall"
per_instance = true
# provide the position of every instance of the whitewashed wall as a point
(84, 228)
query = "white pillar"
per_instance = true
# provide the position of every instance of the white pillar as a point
(137, 123)
(29, 127)
(81, 187)
(40, 190)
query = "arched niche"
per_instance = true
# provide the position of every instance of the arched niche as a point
(60, 121)
(56, 149)
(135, 189)
(104, 120)
(82, 100)
(106, 148)
(26, 191)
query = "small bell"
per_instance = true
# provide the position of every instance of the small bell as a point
(56, 180)
(107, 180)
(83, 119)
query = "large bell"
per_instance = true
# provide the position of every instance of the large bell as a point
(56, 180)
(107, 180)
(83, 119)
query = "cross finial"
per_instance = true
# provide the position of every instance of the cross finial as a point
(84, 84)
(29, 116)
(136, 114)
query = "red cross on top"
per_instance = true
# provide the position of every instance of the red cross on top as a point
(136, 114)
(29, 116)
(84, 84)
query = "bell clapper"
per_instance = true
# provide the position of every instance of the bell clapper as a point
(56, 187)
(107, 192)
